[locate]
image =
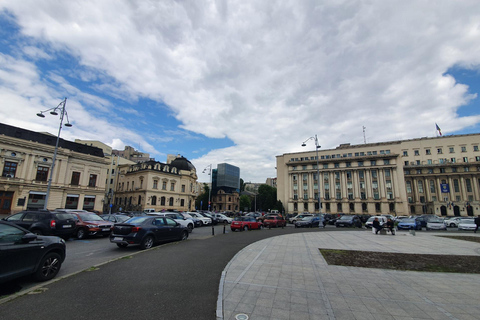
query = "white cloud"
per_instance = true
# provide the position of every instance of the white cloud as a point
(268, 75)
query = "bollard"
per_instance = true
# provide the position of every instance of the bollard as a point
(213, 230)
(224, 225)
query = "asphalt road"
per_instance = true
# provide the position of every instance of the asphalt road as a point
(177, 280)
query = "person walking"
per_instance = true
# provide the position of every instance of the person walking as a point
(390, 225)
(477, 222)
(376, 225)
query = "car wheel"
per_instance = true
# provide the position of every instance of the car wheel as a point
(147, 243)
(184, 235)
(122, 245)
(48, 267)
(80, 234)
(452, 225)
(37, 231)
(245, 228)
(190, 228)
(233, 230)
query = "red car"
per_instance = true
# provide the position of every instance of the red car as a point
(245, 223)
(274, 221)
(90, 224)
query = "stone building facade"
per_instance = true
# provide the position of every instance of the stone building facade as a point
(156, 185)
(438, 175)
(26, 160)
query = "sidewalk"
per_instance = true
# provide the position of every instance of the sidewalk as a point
(286, 277)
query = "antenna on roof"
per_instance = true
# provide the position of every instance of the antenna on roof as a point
(364, 139)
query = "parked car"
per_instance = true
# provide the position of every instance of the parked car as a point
(453, 222)
(467, 224)
(196, 222)
(299, 217)
(245, 223)
(222, 218)
(44, 222)
(274, 220)
(256, 215)
(205, 221)
(348, 221)
(187, 223)
(370, 220)
(409, 224)
(210, 215)
(115, 218)
(308, 222)
(90, 224)
(23, 253)
(436, 224)
(146, 231)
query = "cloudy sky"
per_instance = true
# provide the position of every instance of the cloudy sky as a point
(241, 81)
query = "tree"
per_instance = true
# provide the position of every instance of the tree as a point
(242, 185)
(266, 198)
(245, 203)
(202, 200)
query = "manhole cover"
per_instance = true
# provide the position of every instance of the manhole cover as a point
(241, 316)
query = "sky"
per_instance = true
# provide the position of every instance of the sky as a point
(244, 81)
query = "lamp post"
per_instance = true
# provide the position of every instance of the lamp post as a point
(314, 138)
(63, 113)
(210, 188)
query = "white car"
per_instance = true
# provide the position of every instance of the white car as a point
(188, 223)
(381, 219)
(453, 222)
(204, 220)
(436, 224)
(222, 218)
(299, 217)
(467, 224)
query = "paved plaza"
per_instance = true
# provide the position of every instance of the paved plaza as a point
(286, 277)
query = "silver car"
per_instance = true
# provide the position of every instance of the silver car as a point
(436, 224)
(453, 222)
(467, 224)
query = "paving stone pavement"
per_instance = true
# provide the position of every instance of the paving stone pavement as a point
(286, 277)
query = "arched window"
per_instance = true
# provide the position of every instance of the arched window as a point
(162, 201)
(364, 207)
(339, 207)
(154, 200)
(170, 201)
(352, 207)
(377, 207)
(392, 207)
(139, 200)
(130, 200)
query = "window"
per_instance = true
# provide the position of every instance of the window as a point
(416, 152)
(464, 149)
(42, 174)
(374, 174)
(465, 159)
(9, 169)
(325, 166)
(429, 161)
(475, 148)
(419, 171)
(439, 151)
(386, 161)
(451, 149)
(452, 160)
(349, 175)
(466, 169)
(430, 170)
(361, 174)
(92, 181)
(373, 162)
(305, 176)
(428, 152)
(155, 184)
(360, 163)
(75, 178)
(336, 165)
(468, 183)
(417, 162)
(304, 167)
(405, 163)
(442, 170)
(154, 201)
(456, 186)
(409, 187)
(172, 186)
(164, 185)
(294, 168)
(407, 171)
(405, 153)
(420, 186)
(454, 169)
(183, 188)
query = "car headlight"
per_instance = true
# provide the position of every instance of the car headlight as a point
(92, 226)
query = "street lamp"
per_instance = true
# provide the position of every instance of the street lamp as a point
(314, 138)
(63, 113)
(210, 188)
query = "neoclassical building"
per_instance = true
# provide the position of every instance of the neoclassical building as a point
(156, 185)
(26, 160)
(438, 175)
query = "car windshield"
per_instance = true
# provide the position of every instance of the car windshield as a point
(307, 218)
(187, 215)
(348, 218)
(467, 221)
(408, 220)
(436, 221)
(65, 216)
(89, 217)
(137, 220)
(240, 218)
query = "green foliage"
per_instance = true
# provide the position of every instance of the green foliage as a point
(266, 198)
(244, 203)
(202, 198)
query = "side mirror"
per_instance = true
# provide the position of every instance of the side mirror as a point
(29, 237)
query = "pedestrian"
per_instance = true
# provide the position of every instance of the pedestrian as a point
(477, 222)
(376, 225)
(390, 225)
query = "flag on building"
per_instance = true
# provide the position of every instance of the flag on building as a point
(438, 129)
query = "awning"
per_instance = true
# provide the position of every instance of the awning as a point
(72, 195)
(38, 192)
(90, 197)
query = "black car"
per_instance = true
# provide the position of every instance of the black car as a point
(215, 220)
(44, 222)
(348, 221)
(308, 222)
(147, 231)
(24, 253)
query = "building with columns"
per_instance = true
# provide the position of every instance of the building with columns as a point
(439, 175)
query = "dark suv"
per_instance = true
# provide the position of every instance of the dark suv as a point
(44, 222)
